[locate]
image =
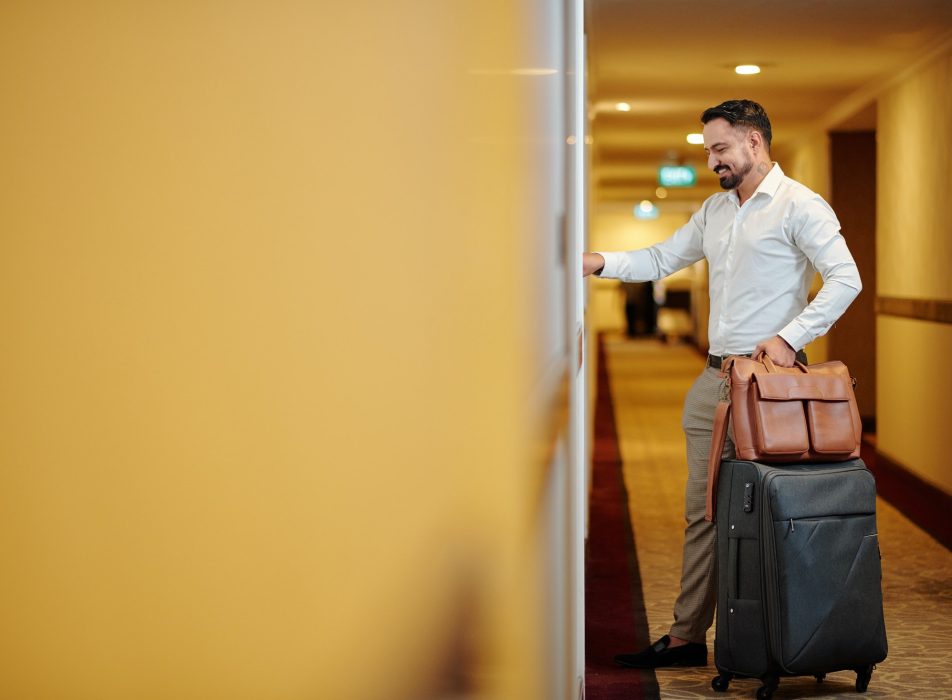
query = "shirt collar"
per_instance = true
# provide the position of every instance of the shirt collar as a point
(767, 186)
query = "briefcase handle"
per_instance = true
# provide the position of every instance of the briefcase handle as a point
(771, 367)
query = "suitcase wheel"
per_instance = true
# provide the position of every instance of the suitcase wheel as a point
(721, 682)
(863, 674)
(766, 691)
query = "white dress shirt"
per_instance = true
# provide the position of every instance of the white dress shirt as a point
(761, 259)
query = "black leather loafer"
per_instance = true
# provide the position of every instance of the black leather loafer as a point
(660, 655)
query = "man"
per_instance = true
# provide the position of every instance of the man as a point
(762, 238)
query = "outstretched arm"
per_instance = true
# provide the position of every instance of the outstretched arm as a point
(683, 248)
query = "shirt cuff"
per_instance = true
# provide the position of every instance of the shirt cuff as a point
(796, 336)
(612, 266)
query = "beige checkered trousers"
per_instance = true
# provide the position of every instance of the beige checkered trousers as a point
(694, 609)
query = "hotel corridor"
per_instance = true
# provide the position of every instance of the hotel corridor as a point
(647, 381)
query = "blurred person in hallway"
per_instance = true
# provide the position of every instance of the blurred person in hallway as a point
(763, 238)
(641, 313)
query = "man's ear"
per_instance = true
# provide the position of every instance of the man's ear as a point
(756, 141)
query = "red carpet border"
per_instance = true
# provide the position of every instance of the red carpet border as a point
(615, 619)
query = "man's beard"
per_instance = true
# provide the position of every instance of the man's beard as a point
(729, 182)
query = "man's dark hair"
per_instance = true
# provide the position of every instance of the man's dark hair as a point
(741, 113)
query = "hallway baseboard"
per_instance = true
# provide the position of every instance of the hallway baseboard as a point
(615, 618)
(924, 504)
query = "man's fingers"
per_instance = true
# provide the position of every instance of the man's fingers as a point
(781, 355)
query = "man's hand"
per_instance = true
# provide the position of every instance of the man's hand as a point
(777, 350)
(591, 263)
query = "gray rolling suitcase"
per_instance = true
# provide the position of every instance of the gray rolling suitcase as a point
(799, 578)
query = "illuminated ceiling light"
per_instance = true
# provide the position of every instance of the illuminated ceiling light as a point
(645, 210)
(570, 141)
(696, 139)
(661, 193)
(747, 69)
(623, 107)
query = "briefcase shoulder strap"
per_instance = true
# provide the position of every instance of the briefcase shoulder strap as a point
(718, 438)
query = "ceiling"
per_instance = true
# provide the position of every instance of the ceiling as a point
(823, 63)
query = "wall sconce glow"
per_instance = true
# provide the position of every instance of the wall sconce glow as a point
(535, 71)
(646, 210)
(623, 107)
(747, 69)
(696, 139)
(514, 71)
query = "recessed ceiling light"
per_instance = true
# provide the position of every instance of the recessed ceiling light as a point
(747, 69)
(646, 210)
(623, 107)
(661, 193)
(696, 139)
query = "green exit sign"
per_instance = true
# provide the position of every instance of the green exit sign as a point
(677, 176)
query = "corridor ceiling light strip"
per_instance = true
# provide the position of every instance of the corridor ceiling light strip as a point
(696, 139)
(747, 69)
(623, 107)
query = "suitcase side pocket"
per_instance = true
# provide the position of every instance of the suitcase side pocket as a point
(745, 630)
(746, 641)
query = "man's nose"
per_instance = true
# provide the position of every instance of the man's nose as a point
(712, 161)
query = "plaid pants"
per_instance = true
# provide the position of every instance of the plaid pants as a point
(694, 608)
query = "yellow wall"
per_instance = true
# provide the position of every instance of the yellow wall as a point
(914, 255)
(808, 162)
(266, 351)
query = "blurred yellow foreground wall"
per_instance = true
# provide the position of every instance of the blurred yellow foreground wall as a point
(269, 348)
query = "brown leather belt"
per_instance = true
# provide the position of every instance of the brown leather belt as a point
(716, 361)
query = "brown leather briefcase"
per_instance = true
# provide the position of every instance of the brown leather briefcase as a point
(785, 414)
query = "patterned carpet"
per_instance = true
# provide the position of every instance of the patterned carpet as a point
(649, 381)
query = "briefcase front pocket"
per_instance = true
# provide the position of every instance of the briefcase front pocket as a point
(796, 415)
